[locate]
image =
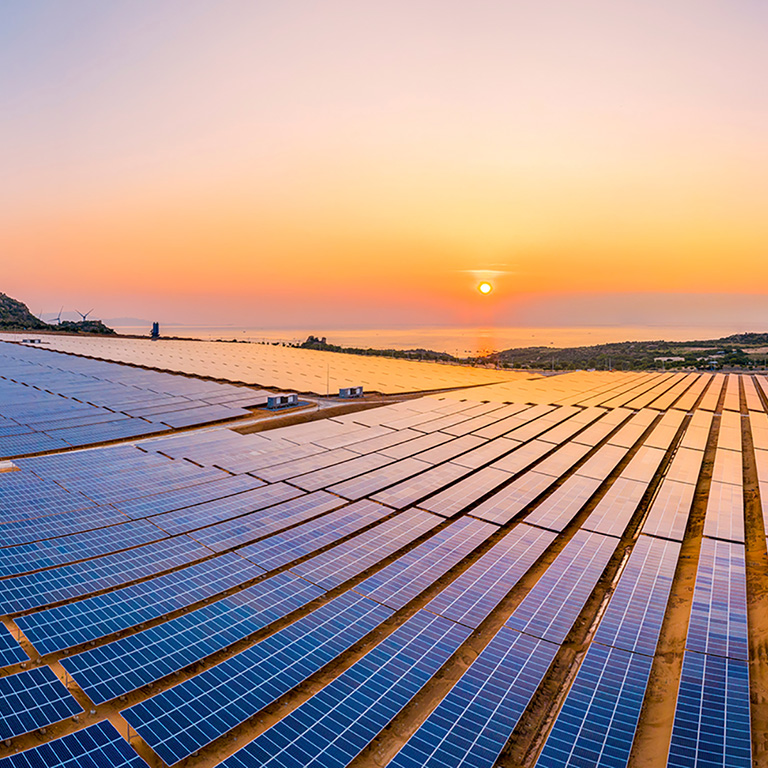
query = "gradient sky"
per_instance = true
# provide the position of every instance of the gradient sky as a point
(361, 163)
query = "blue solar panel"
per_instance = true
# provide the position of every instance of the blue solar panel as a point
(551, 607)
(80, 622)
(416, 488)
(410, 574)
(712, 721)
(188, 716)
(332, 727)
(40, 387)
(10, 651)
(33, 699)
(98, 746)
(284, 547)
(336, 565)
(179, 498)
(474, 594)
(599, 717)
(719, 614)
(131, 662)
(260, 524)
(634, 615)
(21, 593)
(473, 722)
(25, 558)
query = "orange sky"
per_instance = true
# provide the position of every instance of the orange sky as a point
(321, 161)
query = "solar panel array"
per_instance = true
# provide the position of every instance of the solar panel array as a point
(413, 576)
(50, 401)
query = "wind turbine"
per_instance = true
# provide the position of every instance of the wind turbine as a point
(84, 316)
(58, 317)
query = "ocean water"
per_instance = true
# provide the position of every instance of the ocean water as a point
(455, 341)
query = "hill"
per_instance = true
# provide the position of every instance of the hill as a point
(15, 316)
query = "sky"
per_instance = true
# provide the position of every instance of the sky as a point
(366, 164)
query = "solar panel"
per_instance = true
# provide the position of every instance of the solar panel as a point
(598, 719)
(98, 746)
(725, 512)
(419, 487)
(685, 466)
(474, 594)
(644, 464)
(190, 715)
(331, 568)
(485, 453)
(473, 722)
(265, 522)
(559, 462)
(131, 662)
(615, 509)
(552, 605)
(512, 499)
(712, 720)
(336, 473)
(523, 457)
(10, 651)
(21, 593)
(668, 515)
(727, 467)
(453, 500)
(560, 507)
(636, 610)
(33, 699)
(718, 621)
(410, 574)
(333, 727)
(188, 496)
(282, 548)
(79, 622)
(371, 482)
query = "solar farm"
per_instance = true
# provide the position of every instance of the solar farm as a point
(273, 365)
(539, 571)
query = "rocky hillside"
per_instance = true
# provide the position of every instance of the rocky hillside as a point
(16, 316)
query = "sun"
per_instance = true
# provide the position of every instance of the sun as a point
(485, 288)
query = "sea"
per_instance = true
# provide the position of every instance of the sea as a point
(457, 341)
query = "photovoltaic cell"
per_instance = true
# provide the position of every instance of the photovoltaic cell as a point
(473, 722)
(613, 512)
(33, 699)
(131, 662)
(474, 594)
(98, 746)
(332, 727)
(712, 721)
(78, 622)
(21, 593)
(668, 515)
(513, 498)
(416, 488)
(453, 500)
(598, 719)
(560, 507)
(336, 565)
(410, 574)
(718, 621)
(190, 715)
(725, 512)
(636, 610)
(10, 651)
(551, 607)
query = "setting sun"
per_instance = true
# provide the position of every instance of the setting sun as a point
(485, 288)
